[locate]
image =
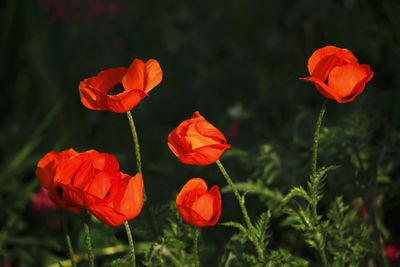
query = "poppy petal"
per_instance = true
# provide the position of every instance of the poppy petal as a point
(48, 164)
(204, 155)
(125, 101)
(152, 75)
(100, 185)
(93, 91)
(202, 206)
(132, 198)
(327, 52)
(196, 141)
(347, 80)
(195, 184)
(106, 79)
(191, 217)
(103, 211)
(134, 78)
(198, 207)
(91, 98)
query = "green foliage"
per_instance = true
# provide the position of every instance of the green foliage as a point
(174, 246)
(349, 241)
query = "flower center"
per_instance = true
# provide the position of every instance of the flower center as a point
(59, 191)
(116, 89)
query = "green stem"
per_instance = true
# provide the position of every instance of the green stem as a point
(146, 210)
(135, 141)
(250, 227)
(131, 245)
(236, 192)
(314, 183)
(68, 239)
(87, 237)
(196, 249)
(316, 139)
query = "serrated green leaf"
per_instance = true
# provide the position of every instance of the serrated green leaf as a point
(236, 225)
(297, 192)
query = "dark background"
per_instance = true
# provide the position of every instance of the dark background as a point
(236, 62)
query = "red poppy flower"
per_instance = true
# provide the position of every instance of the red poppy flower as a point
(345, 77)
(196, 141)
(46, 170)
(120, 89)
(93, 181)
(196, 205)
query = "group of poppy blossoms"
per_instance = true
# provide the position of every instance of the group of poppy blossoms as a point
(93, 181)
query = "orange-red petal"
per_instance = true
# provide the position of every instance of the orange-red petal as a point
(134, 78)
(94, 90)
(152, 75)
(48, 164)
(196, 141)
(348, 81)
(124, 101)
(120, 89)
(196, 205)
(196, 185)
(132, 198)
(323, 59)
(123, 202)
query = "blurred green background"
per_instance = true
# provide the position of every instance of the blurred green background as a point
(236, 62)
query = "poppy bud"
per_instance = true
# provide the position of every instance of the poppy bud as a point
(345, 77)
(120, 89)
(196, 141)
(196, 205)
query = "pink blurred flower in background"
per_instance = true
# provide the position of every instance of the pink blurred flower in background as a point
(41, 202)
(73, 10)
(392, 251)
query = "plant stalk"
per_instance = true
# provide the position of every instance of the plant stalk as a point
(316, 139)
(135, 142)
(146, 210)
(196, 249)
(131, 245)
(314, 177)
(250, 227)
(68, 239)
(87, 238)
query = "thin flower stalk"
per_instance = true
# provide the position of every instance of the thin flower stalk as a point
(146, 210)
(240, 199)
(196, 249)
(68, 239)
(131, 245)
(314, 181)
(87, 238)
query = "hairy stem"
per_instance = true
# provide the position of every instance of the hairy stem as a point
(87, 238)
(146, 210)
(196, 249)
(131, 245)
(68, 239)
(136, 142)
(314, 183)
(316, 139)
(250, 227)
